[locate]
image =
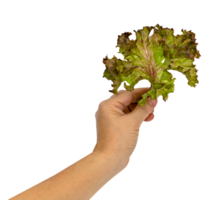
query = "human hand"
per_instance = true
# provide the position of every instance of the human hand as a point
(118, 122)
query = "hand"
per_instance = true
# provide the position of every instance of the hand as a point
(118, 122)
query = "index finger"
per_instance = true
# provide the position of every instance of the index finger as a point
(137, 93)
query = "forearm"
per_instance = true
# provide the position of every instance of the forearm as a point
(79, 181)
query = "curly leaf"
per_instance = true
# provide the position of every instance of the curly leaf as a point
(152, 56)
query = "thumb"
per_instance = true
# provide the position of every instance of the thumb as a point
(122, 99)
(140, 113)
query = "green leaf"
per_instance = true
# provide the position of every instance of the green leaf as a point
(149, 57)
(143, 34)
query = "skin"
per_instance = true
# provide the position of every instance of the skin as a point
(118, 121)
(137, 95)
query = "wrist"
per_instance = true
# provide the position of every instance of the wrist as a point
(116, 164)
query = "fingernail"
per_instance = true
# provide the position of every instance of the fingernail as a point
(151, 102)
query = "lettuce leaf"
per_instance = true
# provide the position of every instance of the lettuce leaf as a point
(152, 54)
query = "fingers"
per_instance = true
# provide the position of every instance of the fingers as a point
(137, 93)
(137, 89)
(149, 119)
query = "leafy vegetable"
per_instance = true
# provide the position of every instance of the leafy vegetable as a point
(149, 57)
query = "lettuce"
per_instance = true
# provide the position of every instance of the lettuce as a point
(152, 54)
